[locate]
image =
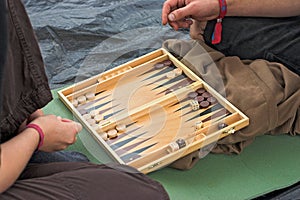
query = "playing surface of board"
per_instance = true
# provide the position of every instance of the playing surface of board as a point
(151, 111)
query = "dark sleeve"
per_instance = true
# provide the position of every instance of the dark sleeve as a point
(3, 48)
(25, 84)
(268, 38)
(3, 37)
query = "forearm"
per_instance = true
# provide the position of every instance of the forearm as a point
(268, 8)
(15, 155)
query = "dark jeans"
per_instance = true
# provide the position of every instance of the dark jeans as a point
(59, 156)
(273, 39)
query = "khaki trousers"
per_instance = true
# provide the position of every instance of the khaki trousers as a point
(267, 92)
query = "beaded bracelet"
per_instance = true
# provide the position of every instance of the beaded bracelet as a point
(217, 34)
(41, 133)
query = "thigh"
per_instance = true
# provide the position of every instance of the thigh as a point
(84, 181)
(273, 39)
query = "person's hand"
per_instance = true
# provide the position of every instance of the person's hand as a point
(59, 133)
(36, 114)
(178, 13)
(33, 116)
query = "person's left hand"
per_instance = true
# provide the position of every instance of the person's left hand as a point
(32, 117)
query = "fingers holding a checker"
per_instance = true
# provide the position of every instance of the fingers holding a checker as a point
(179, 13)
(58, 132)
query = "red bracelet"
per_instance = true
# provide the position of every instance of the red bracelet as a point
(217, 34)
(41, 133)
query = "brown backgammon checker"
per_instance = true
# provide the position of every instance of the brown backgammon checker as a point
(204, 104)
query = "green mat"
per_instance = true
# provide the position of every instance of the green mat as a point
(270, 163)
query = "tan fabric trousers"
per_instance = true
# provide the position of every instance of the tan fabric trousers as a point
(268, 93)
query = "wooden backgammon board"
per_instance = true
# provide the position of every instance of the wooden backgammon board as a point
(151, 111)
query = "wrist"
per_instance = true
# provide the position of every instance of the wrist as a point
(40, 132)
(232, 8)
(215, 6)
(217, 34)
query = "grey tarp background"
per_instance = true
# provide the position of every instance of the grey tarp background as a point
(79, 39)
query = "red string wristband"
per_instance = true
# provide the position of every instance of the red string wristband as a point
(217, 34)
(41, 133)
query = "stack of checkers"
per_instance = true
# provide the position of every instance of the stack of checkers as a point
(165, 63)
(174, 73)
(201, 99)
(95, 119)
(113, 133)
(174, 146)
(83, 99)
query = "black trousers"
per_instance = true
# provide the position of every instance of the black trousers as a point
(272, 39)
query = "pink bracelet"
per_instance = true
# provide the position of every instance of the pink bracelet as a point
(41, 133)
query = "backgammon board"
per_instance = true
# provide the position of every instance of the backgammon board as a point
(151, 111)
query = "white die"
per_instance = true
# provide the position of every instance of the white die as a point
(194, 105)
